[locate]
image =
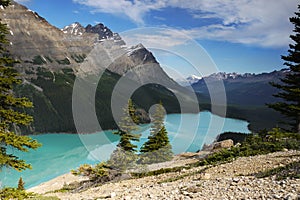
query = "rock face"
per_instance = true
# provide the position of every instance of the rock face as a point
(35, 42)
(51, 59)
(38, 44)
(101, 30)
(217, 146)
(225, 144)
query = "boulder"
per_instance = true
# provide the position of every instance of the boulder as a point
(225, 144)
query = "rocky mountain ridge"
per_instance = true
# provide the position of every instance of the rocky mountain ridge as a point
(234, 76)
(247, 95)
(50, 59)
(36, 43)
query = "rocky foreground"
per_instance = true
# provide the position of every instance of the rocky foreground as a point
(235, 180)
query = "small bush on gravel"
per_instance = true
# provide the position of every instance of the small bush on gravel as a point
(14, 193)
(98, 171)
(256, 144)
(291, 170)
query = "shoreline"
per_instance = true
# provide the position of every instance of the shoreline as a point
(234, 179)
(88, 133)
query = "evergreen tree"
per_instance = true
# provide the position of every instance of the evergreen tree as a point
(290, 86)
(132, 114)
(124, 156)
(157, 148)
(21, 184)
(11, 107)
(127, 127)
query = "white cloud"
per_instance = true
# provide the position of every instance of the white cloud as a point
(149, 37)
(255, 22)
(135, 10)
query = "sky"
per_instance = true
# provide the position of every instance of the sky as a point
(236, 35)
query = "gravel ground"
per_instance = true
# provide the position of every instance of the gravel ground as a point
(233, 180)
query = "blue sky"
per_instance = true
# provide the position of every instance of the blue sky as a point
(239, 36)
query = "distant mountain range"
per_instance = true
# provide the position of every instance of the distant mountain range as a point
(50, 59)
(247, 95)
(243, 89)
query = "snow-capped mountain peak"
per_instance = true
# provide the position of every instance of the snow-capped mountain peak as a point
(74, 29)
(189, 80)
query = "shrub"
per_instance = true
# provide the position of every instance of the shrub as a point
(122, 160)
(100, 170)
(161, 155)
(65, 61)
(13, 193)
(38, 60)
(255, 144)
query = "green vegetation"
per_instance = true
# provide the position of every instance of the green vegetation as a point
(49, 59)
(122, 160)
(65, 61)
(157, 148)
(94, 173)
(256, 144)
(235, 137)
(52, 109)
(45, 73)
(124, 156)
(12, 110)
(291, 170)
(290, 86)
(38, 60)
(21, 184)
(176, 178)
(127, 126)
(13, 193)
(79, 58)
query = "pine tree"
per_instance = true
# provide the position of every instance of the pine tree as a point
(11, 107)
(127, 127)
(124, 156)
(290, 86)
(132, 112)
(157, 148)
(21, 184)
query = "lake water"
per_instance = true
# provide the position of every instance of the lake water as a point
(62, 152)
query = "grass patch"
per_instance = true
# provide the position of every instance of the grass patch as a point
(49, 59)
(291, 170)
(78, 58)
(65, 61)
(164, 170)
(184, 175)
(38, 60)
(256, 144)
(14, 193)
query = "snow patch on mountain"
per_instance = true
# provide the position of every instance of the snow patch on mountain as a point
(133, 49)
(74, 29)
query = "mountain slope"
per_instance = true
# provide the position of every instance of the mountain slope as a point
(51, 59)
(247, 96)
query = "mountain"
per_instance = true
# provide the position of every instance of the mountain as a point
(50, 60)
(244, 89)
(247, 96)
(189, 80)
(75, 29)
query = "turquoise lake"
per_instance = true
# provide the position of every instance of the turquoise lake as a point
(62, 152)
